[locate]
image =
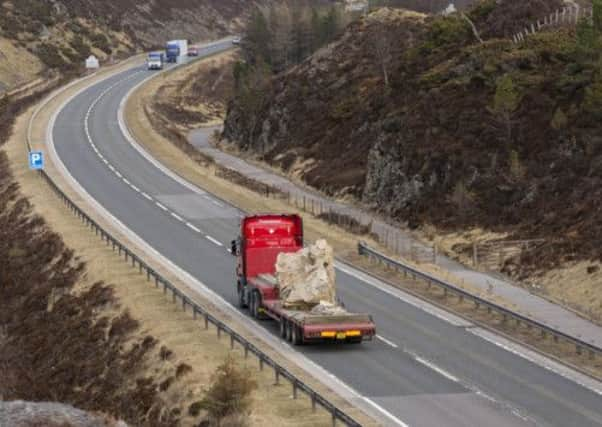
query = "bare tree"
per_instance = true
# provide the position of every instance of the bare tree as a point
(383, 45)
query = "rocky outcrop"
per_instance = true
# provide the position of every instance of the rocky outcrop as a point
(26, 414)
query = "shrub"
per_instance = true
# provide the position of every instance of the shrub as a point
(448, 30)
(79, 46)
(230, 392)
(50, 56)
(101, 42)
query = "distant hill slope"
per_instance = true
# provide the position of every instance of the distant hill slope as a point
(41, 35)
(491, 135)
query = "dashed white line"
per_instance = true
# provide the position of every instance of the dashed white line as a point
(215, 202)
(436, 368)
(118, 174)
(211, 239)
(161, 206)
(176, 216)
(146, 196)
(127, 181)
(386, 341)
(112, 168)
(193, 227)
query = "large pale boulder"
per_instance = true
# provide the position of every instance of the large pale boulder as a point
(307, 277)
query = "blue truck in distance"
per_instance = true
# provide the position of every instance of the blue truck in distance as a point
(172, 51)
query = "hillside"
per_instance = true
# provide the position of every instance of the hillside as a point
(410, 115)
(42, 37)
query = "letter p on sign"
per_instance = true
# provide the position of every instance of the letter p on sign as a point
(36, 160)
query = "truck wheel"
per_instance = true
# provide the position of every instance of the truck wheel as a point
(297, 337)
(253, 305)
(257, 303)
(241, 297)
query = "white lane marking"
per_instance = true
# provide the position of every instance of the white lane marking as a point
(161, 206)
(112, 168)
(207, 197)
(436, 368)
(211, 239)
(539, 360)
(215, 202)
(146, 196)
(118, 174)
(385, 412)
(127, 181)
(193, 227)
(386, 341)
(136, 189)
(176, 216)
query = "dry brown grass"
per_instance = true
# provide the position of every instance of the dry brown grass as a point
(17, 65)
(191, 345)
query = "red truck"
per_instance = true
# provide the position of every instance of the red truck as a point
(262, 238)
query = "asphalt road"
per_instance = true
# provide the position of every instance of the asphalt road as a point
(423, 370)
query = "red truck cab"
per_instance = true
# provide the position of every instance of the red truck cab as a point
(262, 238)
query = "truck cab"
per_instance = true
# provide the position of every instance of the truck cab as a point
(154, 61)
(172, 51)
(262, 238)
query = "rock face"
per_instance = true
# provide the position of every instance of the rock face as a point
(307, 277)
(26, 414)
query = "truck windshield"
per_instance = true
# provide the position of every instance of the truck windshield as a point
(269, 232)
(154, 56)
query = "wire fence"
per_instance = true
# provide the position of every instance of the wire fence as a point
(570, 15)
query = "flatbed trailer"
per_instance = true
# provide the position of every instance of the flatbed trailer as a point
(262, 239)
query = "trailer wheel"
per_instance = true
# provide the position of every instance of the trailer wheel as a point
(289, 331)
(283, 328)
(297, 337)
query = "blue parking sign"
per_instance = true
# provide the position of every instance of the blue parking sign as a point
(36, 160)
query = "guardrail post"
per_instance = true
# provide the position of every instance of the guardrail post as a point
(578, 349)
(231, 342)
(194, 312)
(313, 402)
(156, 281)
(334, 419)
(219, 331)
(206, 321)
(183, 304)
(260, 364)
(555, 338)
(295, 389)
(173, 295)
(246, 350)
(276, 376)
(164, 288)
